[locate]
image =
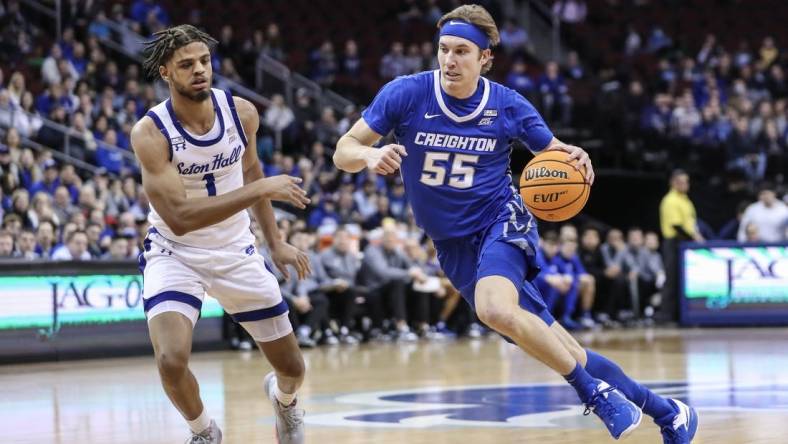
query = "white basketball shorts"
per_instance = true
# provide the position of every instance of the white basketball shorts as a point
(176, 277)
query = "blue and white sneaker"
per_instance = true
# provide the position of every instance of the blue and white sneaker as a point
(681, 428)
(620, 415)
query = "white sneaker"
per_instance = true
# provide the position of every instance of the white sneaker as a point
(211, 435)
(289, 420)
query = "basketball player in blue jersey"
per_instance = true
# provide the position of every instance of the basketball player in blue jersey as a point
(453, 130)
(200, 170)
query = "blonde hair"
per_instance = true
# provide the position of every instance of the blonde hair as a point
(482, 19)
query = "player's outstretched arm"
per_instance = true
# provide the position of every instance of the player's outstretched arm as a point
(166, 193)
(355, 152)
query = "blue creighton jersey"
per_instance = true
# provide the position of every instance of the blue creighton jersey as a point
(456, 174)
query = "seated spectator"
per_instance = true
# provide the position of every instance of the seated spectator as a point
(75, 249)
(366, 199)
(383, 212)
(768, 217)
(655, 118)
(632, 42)
(423, 295)
(743, 154)
(413, 59)
(620, 271)
(398, 204)
(394, 63)
(40, 209)
(651, 274)
(351, 62)
(7, 109)
(324, 213)
(583, 283)
(514, 38)
(428, 60)
(16, 87)
(6, 244)
(324, 64)
(685, 117)
(342, 264)
(63, 207)
(55, 66)
(27, 121)
(7, 167)
(142, 9)
(519, 80)
(46, 238)
(594, 264)
(570, 11)
(95, 247)
(107, 154)
(574, 69)
(326, 128)
(658, 40)
(118, 249)
(387, 273)
(98, 26)
(20, 205)
(552, 284)
(12, 223)
(26, 246)
(307, 299)
(555, 95)
(346, 209)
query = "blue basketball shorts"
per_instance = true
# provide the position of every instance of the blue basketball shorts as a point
(498, 250)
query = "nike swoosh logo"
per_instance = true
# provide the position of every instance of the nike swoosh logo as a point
(455, 22)
(430, 116)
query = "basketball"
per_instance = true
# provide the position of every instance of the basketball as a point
(552, 188)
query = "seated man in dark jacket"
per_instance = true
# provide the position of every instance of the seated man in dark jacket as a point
(387, 272)
(342, 264)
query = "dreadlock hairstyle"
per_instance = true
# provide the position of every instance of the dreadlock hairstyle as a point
(158, 51)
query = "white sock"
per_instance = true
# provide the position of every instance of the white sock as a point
(200, 423)
(284, 398)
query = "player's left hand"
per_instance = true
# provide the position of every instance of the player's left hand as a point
(285, 254)
(575, 152)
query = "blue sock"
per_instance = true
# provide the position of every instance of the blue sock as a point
(583, 383)
(602, 368)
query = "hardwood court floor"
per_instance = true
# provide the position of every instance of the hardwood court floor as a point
(470, 392)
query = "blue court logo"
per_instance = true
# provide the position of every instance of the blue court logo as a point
(540, 405)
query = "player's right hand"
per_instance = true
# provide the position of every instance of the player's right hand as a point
(386, 160)
(286, 188)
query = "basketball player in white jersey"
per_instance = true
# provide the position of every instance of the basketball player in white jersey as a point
(200, 170)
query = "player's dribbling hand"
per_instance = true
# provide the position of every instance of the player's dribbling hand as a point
(386, 160)
(286, 188)
(575, 152)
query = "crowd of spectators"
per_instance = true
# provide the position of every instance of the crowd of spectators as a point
(722, 108)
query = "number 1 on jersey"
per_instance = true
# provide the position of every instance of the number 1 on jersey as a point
(210, 184)
(435, 174)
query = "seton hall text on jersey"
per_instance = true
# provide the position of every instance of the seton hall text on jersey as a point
(219, 161)
(481, 144)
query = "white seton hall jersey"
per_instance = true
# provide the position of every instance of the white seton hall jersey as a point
(456, 173)
(209, 165)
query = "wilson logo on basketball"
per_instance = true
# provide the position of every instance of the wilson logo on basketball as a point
(545, 173)
(548, 197)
